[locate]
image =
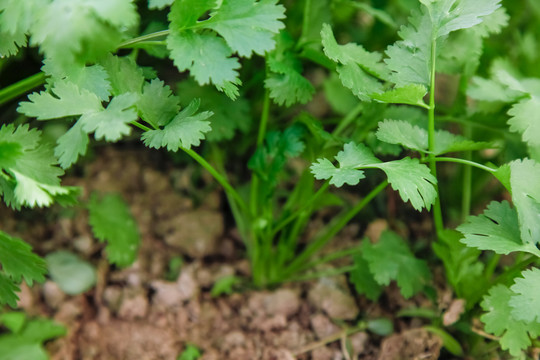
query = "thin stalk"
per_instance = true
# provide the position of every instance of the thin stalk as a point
(21, 87)
(140, 126)
(327, 340)
(491, 266)
(466, 162)
(219, 177)
(513, 271)
(467, 171)
(129, 43)
(260, 139)
(298, 212)
(331, 257)
(305, 22)
(350, 117)
(336, 227)
(437, 212)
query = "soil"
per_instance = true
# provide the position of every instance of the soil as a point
(142, 313)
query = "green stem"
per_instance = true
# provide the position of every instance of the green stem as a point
(331, 257)
(21, 87)
(336, 227)
(306, 206)
(140, 126)
(219, 177)
(437, 212)
(129, 43)
(260, 139)
(466, 162)
(350, 117)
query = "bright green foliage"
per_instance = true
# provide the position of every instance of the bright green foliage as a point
(391, 259)
(65, 99)
(244, 26)
(70, 145)
(17, 262)
(525, 302)
(497, 229)
(72, 274)
(29, 175)
(412, 94)
(363, 279)
(412, 179)
(416, 138)
(524, 120)
(157, 105)
(112, 222)
(26, 341)
(526, 198)
(190, 353)
(285, 81)
(269, 160)
(358, 69)
(159, 4)
(16, 18)
(515, 335)
(112, 123)
(228, 116)
(76, 31)
(224, 285)
(185, 130)
(123, 73)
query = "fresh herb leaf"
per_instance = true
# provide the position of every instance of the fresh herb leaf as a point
(391, 259)
(497, 229)
(525, 301)
(112, 222)
(363, 279)
(526, 198)
(524, 121)
(515, 335)
(412, 94)
(185, 130)
(157, 105)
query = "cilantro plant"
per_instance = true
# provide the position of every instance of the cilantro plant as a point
(95, 87)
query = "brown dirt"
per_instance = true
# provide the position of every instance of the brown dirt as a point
(134, 313)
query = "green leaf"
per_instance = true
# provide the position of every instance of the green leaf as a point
(77, 31)
(159, 4)
(31, 177)
(187, 129)
(350, 158)
(190, 353)
(224, 285)
(125, 75)
(391, 259)
(284, 79)
(112, 222)
(413, 180)
(515, 335)
(363, 279)
(358, 81)
(228, 116)
(269, 160)
(16, 19)
(14, 320)
(525, 301)
(72, 274)
(497, 229)
(412, 94)
(416, 138)
(350, 53)
(380, 326)
(524, 120)
(8, 291)
(71, 144)
(157, 105)
(206, 56)
(449, 342)
(65, 99)
(248, 25)
(18, 261)
(526, 198)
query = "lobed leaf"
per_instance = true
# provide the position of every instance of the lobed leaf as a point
(391, 259)
(524, 120)
(363, 280)
(514, 334)
(187, 129)
(497, 229)
(157, 105)
(412, 94)
(525, 301)
(18, 261)
(112, 222)
(526, 198)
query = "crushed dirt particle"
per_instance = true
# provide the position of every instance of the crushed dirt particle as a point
(334, 300)
(414, 344)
